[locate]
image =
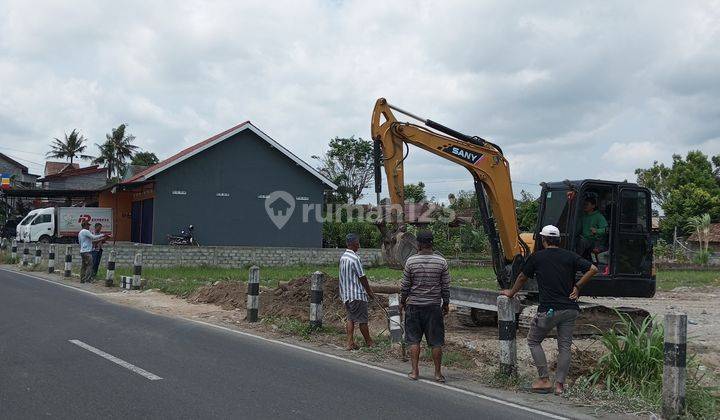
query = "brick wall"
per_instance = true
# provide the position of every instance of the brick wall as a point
(223, 256)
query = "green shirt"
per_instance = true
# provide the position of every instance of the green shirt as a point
(593, 220)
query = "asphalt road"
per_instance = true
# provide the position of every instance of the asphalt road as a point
(206, 372)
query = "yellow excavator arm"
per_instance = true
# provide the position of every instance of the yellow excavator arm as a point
(483, 159)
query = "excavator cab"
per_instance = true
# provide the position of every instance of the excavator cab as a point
(622, 251)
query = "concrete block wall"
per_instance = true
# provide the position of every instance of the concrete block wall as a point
(222, 256)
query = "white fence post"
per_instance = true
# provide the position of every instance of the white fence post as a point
(674, 370)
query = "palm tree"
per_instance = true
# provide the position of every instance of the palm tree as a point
(701, 225)
(70, 148)
(117, 149)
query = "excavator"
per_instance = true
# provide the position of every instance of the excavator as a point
(623, 255)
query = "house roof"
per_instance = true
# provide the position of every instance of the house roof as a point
(22, 167)
(52, 168)
(217, 138)
(714, 234)
(71, 172)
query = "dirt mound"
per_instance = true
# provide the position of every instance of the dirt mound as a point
(290, 299)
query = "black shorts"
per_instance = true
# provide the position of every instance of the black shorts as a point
(424, 320)
(357, 311)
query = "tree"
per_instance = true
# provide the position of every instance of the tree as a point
(527, 211)
(348, 164)
(69, 148)
(117, 149)
(144, 159)
(701, 226)
(415, 192)
(689, 187)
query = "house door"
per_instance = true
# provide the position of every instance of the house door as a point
(141, 216)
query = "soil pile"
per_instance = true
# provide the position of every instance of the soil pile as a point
(291, 299)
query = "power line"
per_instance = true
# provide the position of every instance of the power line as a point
(23, 151)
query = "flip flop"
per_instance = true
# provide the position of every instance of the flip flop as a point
(547, 390)
(440, 379)
(411, 378)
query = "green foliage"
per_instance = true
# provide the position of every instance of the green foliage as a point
(71, 147)
(116, 150)
(415, 192)
(144, 159)
(349, 164)
(463, 200)
(687, 188)
(334, 233)
(452, 241)
(527, 211)
(633, 365)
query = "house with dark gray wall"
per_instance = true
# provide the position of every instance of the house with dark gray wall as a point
(239, 187)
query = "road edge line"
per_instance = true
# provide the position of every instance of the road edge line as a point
(51, 281)
(381, 369)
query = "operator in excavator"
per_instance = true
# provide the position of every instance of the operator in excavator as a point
(592, 228)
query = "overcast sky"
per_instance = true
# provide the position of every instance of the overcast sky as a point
(580, 90)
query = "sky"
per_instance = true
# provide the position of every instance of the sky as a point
(569, 90)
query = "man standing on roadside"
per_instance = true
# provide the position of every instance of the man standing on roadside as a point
(97, 250)
(425, 298)
(354, 292)
(86, 239)
(554, 269)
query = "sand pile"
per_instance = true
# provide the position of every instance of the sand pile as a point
(290, 299)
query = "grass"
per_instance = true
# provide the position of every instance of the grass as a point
(297, 327)
(631, 371)
(670, 279)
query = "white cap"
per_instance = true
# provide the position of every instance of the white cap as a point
(551, 231)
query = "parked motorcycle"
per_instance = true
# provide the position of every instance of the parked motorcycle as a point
(185, 238)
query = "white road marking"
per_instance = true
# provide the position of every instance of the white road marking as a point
(388, 371)
(110, 357)
(319, 353)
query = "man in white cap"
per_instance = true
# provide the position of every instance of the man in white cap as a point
(554, 269)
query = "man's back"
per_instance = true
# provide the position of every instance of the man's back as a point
(554, 269)
(426, 280)
(351, 270)
(85, 239)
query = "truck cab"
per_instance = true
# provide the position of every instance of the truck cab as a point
(623, 252)
(37, 226)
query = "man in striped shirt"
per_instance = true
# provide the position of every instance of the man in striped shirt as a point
(425, 298)
(354, 292)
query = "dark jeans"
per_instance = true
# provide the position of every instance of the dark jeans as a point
(424, 320)
(97, 256)
(541, 325)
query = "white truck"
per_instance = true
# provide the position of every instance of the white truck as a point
(61, 224)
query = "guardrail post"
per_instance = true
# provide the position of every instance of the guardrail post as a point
(674, 370)
(110, 274)
(13, 251)
(137, 271)
(253, 293)
(38, 254)
(26, 255)
(507, 327)
(51, 258)
(316, 298)
(394, 326)
(68, 262)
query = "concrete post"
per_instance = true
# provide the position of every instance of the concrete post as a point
(110, 274)
(51, 258)
(316, 298)
(13, 251)
(38, 254)
(674, 370)
(394, 325)
(137, 271)
(507, 328)
(68, 262)
(126, 282)
(26, 255)
(253, 293)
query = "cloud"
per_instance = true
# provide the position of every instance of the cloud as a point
(569, 91)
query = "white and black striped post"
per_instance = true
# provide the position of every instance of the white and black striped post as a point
(26, 256)
(126, 282)
(394, 325)
(13, 250)
(137, 271)
(110, 274)
(51, 259)
(507, 328)
(674, 370)
(68, 262)
(38, 254)
(253, 294)
(316, 298)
